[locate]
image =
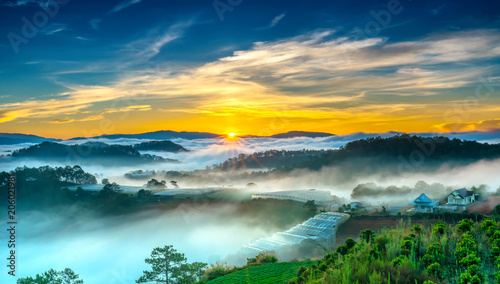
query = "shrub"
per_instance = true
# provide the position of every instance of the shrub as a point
(439, 228)
(435, 270)
(416, 228)
(465, 225)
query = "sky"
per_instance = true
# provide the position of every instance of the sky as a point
(73, 68)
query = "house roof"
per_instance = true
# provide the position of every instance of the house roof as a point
(424, 200)
(462, 192)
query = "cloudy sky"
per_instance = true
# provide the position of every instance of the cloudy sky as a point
(84, 68)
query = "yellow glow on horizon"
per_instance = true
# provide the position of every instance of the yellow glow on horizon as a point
(231, 136)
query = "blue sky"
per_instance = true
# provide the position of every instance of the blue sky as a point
(52, 78)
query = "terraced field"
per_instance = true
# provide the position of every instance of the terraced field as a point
(265, 274)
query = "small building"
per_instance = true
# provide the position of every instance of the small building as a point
(461, 197)
(357, 205)
(424, 204)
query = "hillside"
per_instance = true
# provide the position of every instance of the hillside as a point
(90, 152)
(394, 154)
(466, 252)
(264, 274)
(165, 146)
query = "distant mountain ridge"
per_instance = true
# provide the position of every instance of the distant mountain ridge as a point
(157, 135)
(168, 134)
(17, 138)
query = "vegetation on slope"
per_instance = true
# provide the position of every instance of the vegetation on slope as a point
(278, 272)
(465, 253)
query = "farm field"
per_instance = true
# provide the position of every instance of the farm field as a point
(265, 274)
(354, 226)
(486, 207)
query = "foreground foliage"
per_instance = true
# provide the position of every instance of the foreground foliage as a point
(466, 253)
(66, 276)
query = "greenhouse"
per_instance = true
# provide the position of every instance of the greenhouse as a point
(320, 229)
(320, 197)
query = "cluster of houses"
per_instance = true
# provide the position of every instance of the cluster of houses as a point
(458, 200)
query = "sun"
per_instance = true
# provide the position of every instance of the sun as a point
(231, 136)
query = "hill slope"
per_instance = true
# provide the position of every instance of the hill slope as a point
(266, 274)
(165, 145)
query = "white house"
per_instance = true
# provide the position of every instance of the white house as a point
(461, 196)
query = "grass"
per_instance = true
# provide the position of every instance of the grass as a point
(266, 274)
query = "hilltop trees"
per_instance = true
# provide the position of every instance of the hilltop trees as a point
(153, 183)
(43, 186)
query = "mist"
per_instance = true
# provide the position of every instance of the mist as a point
(113, 249)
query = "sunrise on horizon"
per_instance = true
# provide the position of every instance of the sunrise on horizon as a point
(249, 141)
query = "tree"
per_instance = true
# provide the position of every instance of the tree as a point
(496, 211)
(191, 272)
(342, 250)
(435, 270)
(367, 235)
(66, 276)
(350, 243)
(465, 225)
(311, 207)
(170, 266)
(416, 228)
(109, 190)
(467, 278)
(470, 259)
(105, 181)
(153, 183)
(174, 184)
(144, 194)
(439, 228)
